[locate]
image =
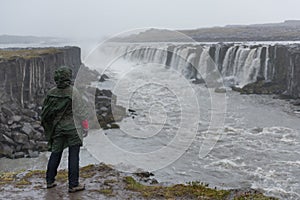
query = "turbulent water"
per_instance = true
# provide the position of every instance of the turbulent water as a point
(259, 145)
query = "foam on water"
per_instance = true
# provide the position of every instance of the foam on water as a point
(259, 147)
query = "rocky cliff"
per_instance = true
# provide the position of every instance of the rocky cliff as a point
(288, 30)
(25, 77)
(26, 74)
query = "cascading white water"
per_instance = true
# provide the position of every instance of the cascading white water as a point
(203, 65)
(238, 64)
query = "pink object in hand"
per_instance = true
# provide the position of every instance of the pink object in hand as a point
(85, 124)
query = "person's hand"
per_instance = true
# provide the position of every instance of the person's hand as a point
(85, 132)
(85, 127)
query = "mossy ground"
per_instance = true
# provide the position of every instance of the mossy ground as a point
(192, 190)
(102, 181)
(8, 54)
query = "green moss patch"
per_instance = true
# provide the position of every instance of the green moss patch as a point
(11, 54)
(7, 177)
(192, 190)
(253, 197)
(107, 192)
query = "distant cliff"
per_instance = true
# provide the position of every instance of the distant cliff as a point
(26, 74)
(286, 31)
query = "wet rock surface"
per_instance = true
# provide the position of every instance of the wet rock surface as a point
(104, 182)
(261, 87)
(21, 134)
(107, 110)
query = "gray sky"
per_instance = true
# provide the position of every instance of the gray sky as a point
(98, 18)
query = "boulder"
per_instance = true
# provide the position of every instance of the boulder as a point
(103, 109)
(27, 129)
(18, 147)
(7, 133)
(42, 145)
(30, 113)
(296, 102)
(114, 126)
(262, 87)
(36, 125)
(220, 90)
(106, 93)
(7, 111)
(2, 119)
(118, 112)
(16, 118)
(8, 140)
(2, 139)
(154, 181)
(20, 138)
(103, 78)
(30, 145)
(131, 110)
(33, 154)
(6, 150)
(31, 106)
(37, 135)
(27, 119)
(41, 129)
(15, 126)
(19, 155)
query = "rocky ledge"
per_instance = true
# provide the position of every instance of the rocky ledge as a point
(26, 74)
(104, 182)
(261, 87)
(21, 133)
(25, 77)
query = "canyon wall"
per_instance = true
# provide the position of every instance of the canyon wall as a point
(27, 74)
(25, 77)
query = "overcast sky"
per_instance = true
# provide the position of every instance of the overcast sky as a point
(99, 18)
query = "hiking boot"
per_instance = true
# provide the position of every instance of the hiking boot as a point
(77, 188)
(51, 185)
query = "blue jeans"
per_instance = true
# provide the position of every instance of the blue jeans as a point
(73, 166)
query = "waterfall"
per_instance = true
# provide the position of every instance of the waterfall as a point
(238, 64)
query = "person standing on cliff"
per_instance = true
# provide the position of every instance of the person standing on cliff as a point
(64, 118)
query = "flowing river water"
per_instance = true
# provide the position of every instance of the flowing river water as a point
(258, 145)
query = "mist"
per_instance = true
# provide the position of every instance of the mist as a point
(95, 19)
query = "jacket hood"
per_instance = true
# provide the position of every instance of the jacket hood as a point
(63, 77)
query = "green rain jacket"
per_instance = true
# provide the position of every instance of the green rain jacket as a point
(62, 113)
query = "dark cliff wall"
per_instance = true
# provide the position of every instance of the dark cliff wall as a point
(27, 78)
(293, 78)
